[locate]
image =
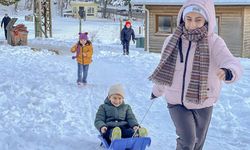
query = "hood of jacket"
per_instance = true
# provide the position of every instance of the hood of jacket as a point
(208, 6)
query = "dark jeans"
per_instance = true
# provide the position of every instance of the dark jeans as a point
(127, 132)
(125, 47)
(5, 33)
(82, 73)
(191, 126)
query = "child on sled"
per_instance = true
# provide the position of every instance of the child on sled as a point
(115, 119)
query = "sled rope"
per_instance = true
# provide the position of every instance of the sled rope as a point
(144, 116)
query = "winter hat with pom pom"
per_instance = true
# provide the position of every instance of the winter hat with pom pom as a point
(83, 36)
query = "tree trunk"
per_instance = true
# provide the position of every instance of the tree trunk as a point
(16, 5)
(105, 9)
(26, 4)
(31, 4)
(69, 2)
(61, 6)
(66, 4)
(129, 10)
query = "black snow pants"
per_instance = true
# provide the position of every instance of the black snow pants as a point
(125, 47)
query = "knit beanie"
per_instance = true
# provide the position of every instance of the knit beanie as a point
(196, 9)
(127, 23)
(83, 36)
(116, 89)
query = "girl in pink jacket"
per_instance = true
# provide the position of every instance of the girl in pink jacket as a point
(193, 64)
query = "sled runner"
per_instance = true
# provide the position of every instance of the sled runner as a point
(137, 143)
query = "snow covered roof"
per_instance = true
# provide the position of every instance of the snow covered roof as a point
(180, 2)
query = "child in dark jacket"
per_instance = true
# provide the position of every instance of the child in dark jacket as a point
(115, 119)
(126, 34)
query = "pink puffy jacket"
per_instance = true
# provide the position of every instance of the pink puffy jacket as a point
(220, 57)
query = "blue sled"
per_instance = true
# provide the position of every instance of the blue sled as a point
(137, 143)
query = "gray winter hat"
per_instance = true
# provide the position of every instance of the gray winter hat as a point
(116, 89)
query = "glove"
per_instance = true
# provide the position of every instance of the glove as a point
(228, 74)
(152, 96)
(73, 57)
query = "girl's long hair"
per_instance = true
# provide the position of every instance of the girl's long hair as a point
(87, 43)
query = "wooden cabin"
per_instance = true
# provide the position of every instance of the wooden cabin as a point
(90, 8)
(233, 23)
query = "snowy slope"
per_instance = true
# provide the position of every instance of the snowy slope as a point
(42, 108)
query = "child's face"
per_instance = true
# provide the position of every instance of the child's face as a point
(194, 20)
(128, 25)
(116, 99)
(83, 42)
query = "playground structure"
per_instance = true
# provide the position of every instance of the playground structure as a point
(42, 17)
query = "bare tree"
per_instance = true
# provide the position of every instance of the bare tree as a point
(129, 9)
(16, 6)
(61, 6)
(118, 2)
(31, 4)
(28, 4)
(128, 3)
(122, 3)
(67, 3)
(105, 4)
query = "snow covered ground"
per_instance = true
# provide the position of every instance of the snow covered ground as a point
(41, 108)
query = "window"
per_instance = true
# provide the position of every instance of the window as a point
(74, 10)
(217, 27)
(174, 23)
(166, 24)
(90, 10)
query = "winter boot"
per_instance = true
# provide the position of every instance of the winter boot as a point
(127, 51)
(142, 132)
(79, 83)
(116, 134)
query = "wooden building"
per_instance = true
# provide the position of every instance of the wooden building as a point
(90, 8)
(233, 23)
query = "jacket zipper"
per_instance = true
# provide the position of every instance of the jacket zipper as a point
(184, 73)
(82, 57)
